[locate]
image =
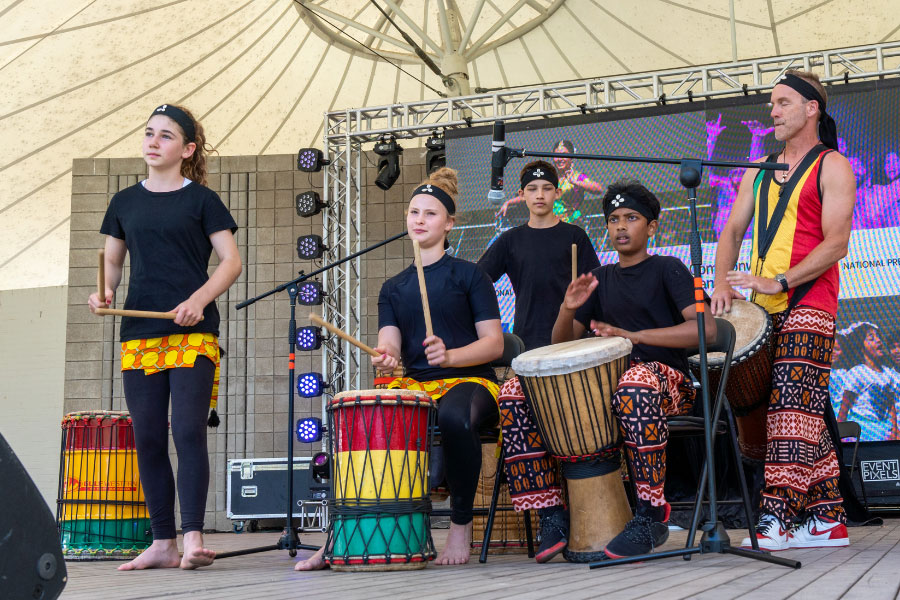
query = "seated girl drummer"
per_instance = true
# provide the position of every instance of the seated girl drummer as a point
(452, 365)
(649, 300)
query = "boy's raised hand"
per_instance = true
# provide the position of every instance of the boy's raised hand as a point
(579, 291)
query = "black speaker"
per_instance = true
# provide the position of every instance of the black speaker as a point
(31, 561)
(879, 464)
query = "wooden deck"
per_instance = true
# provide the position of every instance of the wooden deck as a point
(869, 569)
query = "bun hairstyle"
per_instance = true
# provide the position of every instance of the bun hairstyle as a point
(194, 168)
(445, 178)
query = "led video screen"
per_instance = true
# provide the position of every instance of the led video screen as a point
(866, 368)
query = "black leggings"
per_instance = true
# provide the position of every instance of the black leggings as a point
(462, 411)
(147, 397)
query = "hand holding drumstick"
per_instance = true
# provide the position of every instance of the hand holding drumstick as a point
(435, 349)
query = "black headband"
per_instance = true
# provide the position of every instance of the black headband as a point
(827, 126)
(180, 117)
(625, 201)
(436, 192)
(539, 173)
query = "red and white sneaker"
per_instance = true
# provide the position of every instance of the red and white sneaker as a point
(771, 534)
(816, 532)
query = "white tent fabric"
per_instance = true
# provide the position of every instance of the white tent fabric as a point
(80, 77)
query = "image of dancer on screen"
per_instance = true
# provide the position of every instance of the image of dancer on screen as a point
(877, 204)
(727, 185)
(169, 224)
(648, 299)
(803, 221)
(870, 387)
(570, 206)
(537, 258)
(453, 364)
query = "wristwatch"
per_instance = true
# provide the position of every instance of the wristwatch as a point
(780, 278)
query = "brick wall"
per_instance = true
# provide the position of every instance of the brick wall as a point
(259, 191)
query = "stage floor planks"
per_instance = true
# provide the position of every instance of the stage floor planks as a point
(869, 569)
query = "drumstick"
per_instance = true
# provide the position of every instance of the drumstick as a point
(317, 320)
(101, 293)
(428, 330)
(574, 262)
(146, 314)
(101, 277)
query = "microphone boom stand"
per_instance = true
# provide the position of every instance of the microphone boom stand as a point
(290, 540)
(715, 537)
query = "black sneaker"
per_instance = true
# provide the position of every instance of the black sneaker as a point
(554, 535)
(641, 535)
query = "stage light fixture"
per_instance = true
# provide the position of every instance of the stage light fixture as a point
(309, 338)
(309, 430)
(310, 385)
(311, 160)
(310, 247)
(389, 163)
(310, 293)
(309, 204)
(321, 466)
(436, 157)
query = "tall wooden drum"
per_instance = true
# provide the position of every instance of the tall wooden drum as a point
(569, 388)
(380, 444)
(100, 512)
(750, 380)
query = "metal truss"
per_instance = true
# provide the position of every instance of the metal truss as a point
(415, 119)
(341, 234)
(347, 130)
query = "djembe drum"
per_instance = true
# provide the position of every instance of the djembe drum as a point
(569, 388)
(750, 380)
(101, 512)
(380, 444)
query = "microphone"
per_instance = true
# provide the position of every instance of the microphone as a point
(498, 163)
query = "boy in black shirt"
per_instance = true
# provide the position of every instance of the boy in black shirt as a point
(650, 301)
(537, 258)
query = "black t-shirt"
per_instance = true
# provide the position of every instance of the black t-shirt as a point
(167, 237)
(648, 295)
(459, 295)
(539, 265)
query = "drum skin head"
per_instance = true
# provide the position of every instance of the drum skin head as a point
(568, 357)
(752, 326)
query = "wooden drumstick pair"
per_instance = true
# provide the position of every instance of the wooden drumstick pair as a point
(101, 294)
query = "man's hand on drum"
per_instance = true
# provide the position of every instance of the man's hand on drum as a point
(385, 361)
(602, 329)
(435, 351)
(579, 291)
(722, 295)
(762, 285)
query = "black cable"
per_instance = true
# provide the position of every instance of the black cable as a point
(372, 50)
(418, 51)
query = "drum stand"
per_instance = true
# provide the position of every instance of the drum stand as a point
(715, 537)
(290, 539)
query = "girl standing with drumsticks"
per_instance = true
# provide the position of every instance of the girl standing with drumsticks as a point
(453, 364)
(169, 224)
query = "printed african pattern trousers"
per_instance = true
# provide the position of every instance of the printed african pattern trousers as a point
(801, 472)
(647, 393)
(531, 471)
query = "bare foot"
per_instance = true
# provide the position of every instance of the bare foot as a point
(161, 554)
(313, 563)
(195, 555)
(458, 547)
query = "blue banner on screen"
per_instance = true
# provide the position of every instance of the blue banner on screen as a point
(866, 368)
